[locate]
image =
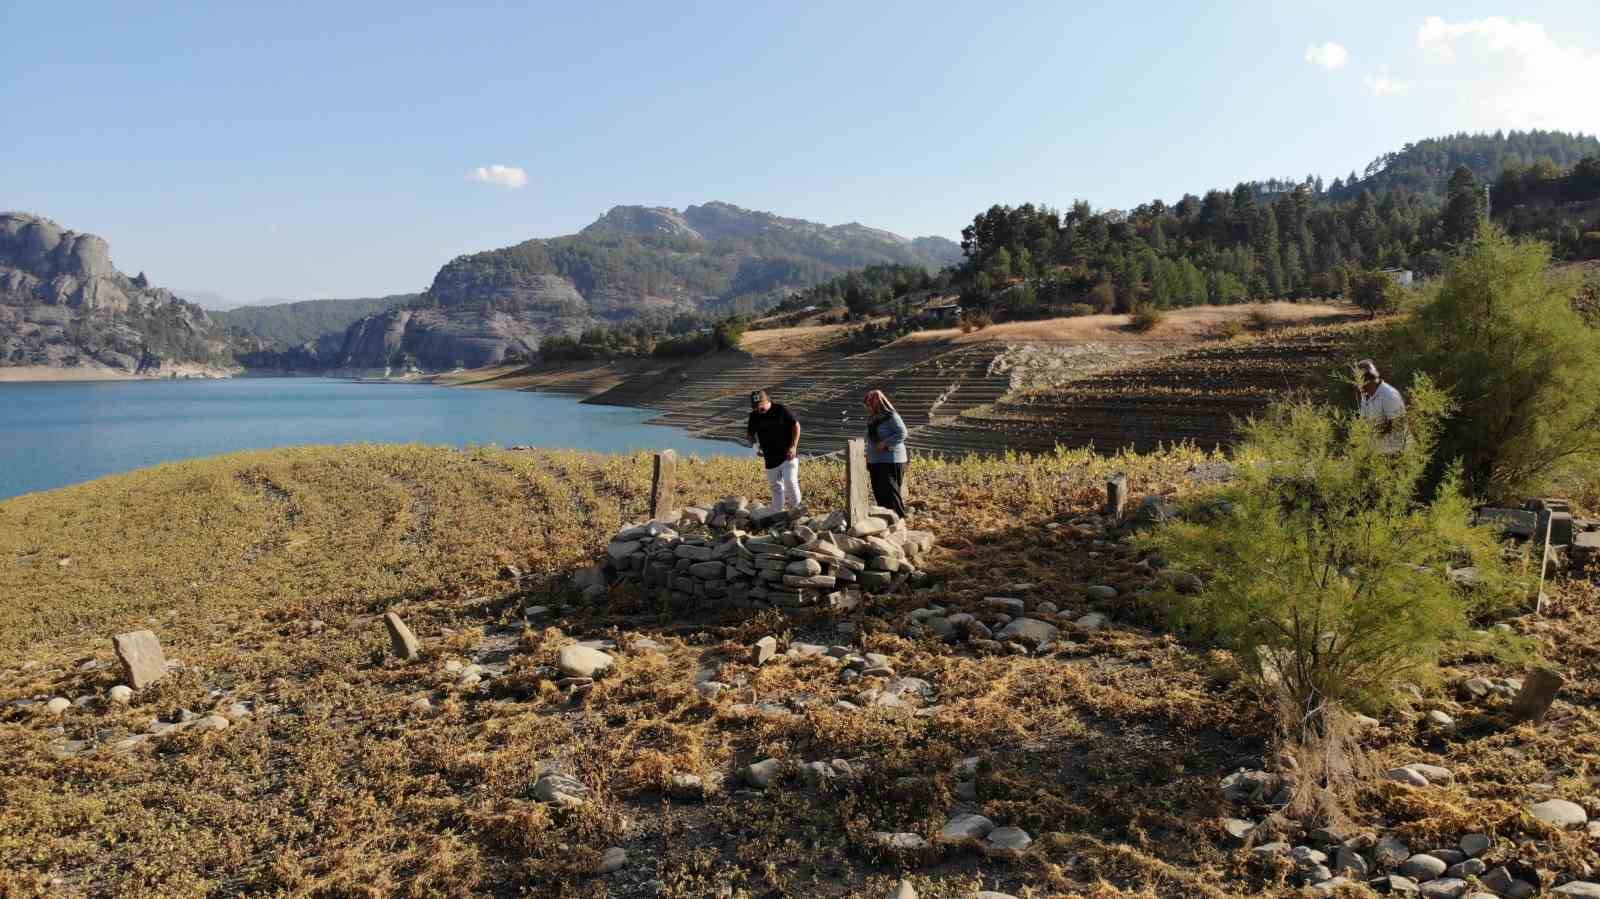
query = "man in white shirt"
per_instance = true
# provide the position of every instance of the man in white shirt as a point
(1382, 405)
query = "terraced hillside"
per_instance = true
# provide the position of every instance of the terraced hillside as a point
(1194, 394)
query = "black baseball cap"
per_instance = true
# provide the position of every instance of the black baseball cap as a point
(756, 396)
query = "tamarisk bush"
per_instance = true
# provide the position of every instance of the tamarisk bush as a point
(1321, 572)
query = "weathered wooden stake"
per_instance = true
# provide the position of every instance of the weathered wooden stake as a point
(662, 483)
(858, 487)
(1539, 689)
(1116, 496)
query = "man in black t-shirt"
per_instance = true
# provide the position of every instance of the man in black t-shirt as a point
(776, 432)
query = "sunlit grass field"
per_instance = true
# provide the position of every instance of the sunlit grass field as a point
(266, 575)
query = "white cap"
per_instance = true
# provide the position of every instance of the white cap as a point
(1368, 369)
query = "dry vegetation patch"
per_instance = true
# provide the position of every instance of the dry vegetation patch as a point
(266, 576)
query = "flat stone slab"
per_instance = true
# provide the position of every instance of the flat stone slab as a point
(1560, 813)
(582, 661)
(1516, 522)
(143, 662)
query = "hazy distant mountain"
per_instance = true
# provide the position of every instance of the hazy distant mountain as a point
(63, 304)
(210, 300)
(709, 258)
(295, 323)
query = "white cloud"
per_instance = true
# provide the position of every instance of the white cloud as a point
(1328, 55)
(500, 175)
(1383, 84)
(1497, 73)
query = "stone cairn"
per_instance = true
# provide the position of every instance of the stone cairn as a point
(732, 553)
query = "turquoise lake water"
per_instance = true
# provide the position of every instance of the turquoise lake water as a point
(59, 433)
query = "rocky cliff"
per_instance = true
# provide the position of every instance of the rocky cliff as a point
(712, 258)
(63, 304)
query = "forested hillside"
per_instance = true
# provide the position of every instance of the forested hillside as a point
(293, 324)
(1253, 242)
(1424, 167)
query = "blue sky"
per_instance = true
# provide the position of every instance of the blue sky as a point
(312, 151)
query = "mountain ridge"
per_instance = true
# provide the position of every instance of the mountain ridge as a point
(632, 260)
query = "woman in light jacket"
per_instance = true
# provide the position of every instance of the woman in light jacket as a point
(886, 452)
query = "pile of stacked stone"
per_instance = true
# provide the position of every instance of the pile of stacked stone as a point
(1553, 529)
(733, 553)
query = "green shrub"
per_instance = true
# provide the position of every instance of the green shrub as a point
(1227, 329)
(1318, 570)
(1375, 292)
(1079, 309)
(1263, 320)
(1500, 334)
(1145, 318)
(975, 320)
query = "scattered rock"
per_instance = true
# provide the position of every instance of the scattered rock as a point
(967, 826)
(1472, 867)
(1093, 621)
(903, 890)
(1580, 888)
(1349, 862)
(1423, 867)
(143, 662)
(421, 704)
(560, 789)
(1009, 838)
(1238, 828)
(1475, 844)
(582, 661)
(1394, 885)
(710, 689)
(1102, 591)
(612, 860)
(763, 651)
(1028, 631)
(210, 722)
(1444, 888)
(121, 694)
(1560, 813)
(898, 842)
(1440, 720)
(1433, 773)
(1390, 852)
(1007, 604)
(58, 705)
(761, 774)
(402, 642)
(1406, 776)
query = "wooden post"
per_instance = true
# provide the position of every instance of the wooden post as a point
(1541, 548)
(1539, 689)
(1116, 496)
(858, 488)
(662, 483)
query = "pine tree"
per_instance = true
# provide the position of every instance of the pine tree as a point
(1463, 210)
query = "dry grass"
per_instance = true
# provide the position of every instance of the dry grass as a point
(1177, 325)
(798, 341)
(1108, 750)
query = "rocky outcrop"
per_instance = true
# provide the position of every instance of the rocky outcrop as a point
(434, 339)
(63, 304)
(485, 308)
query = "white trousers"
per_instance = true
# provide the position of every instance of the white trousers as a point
(785, 481)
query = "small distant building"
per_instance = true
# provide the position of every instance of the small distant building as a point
(941, 311)
(1402, 276)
